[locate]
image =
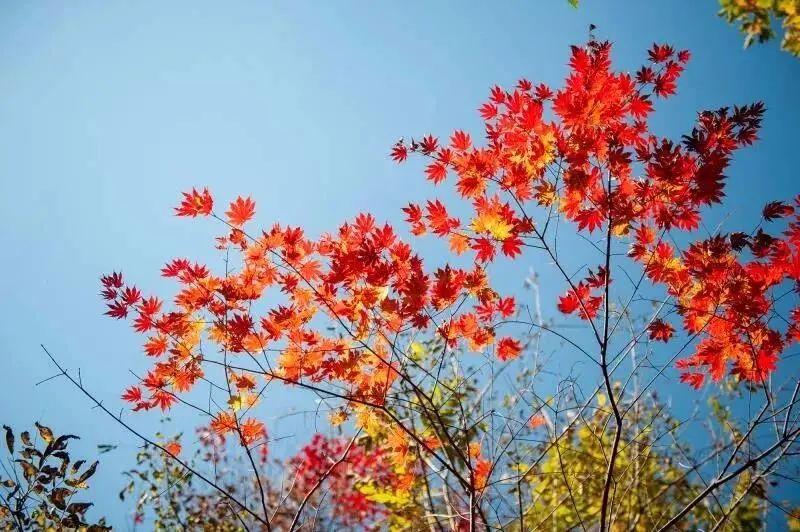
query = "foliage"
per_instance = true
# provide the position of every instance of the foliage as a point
(170, 496)
(39, 489)
(755, 19)
(567, 484)
(410, 356)
(360, 485)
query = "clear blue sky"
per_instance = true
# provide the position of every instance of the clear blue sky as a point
(109, 109)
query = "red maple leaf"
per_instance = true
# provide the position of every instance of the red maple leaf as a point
(589, 219)
(251, 430)
(173, 448)
(460, 140)
(508, 348)
(661, 52)
(437, 172)
(568, 303)
(428, 144)
(399, 152)
(777, 209)
(484, 248)
(174, 268)
(195, 203)
(506, 306)
(695, 380)
(132, 394)
(660, 330)
(512, 246)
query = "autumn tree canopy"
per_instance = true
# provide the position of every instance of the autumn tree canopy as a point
(437, 412)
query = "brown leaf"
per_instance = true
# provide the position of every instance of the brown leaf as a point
(78, 507)
(70, 521)
(61, 442)
(77, 465)
(59, 497)
(31, 451)
(28, 469)
(9, 439)
(80, 482)
(44, 432)
(89, 472)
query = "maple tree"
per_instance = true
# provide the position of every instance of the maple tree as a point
(408, 357)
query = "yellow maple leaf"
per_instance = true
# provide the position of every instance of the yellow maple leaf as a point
(337, 417)
(243, 400)
(492, 224)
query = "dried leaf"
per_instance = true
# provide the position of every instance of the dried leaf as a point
(29, 470)
(44, 432)
(59, 497)
(77, 465)
(88, 473)
(78, 507)
(61, 442)
(9, 439)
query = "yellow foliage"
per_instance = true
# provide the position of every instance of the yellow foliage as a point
(567, 484)
(493, 224)
(755, 20)
(416, 351)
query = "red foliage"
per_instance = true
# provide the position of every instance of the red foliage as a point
(339, 467)
(195, 204)
(585, 150)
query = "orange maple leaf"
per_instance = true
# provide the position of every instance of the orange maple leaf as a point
(251, 430)
(173, 448)
(241, 211)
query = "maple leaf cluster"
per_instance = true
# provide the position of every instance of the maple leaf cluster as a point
(362, 279)
(306, 311)
(725, 296)
(583, 298)
(597, 164)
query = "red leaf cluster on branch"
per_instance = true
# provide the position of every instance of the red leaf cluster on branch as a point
(602, 167)
(339, 467)
(584, 151)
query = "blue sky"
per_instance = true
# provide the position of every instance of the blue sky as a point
(109, 109)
